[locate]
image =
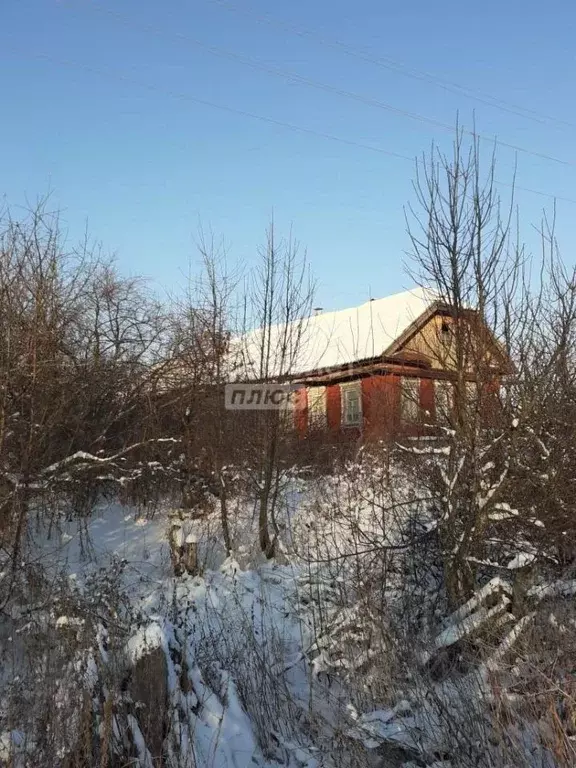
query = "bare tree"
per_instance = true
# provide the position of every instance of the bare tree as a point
(201, 332)
(462, 248)
(278, 302)
(78, 345)
(545, 395)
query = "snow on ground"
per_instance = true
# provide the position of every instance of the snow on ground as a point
(113, 533)
(240, 629)
(241, 636)
(247, 662)
(243, 629)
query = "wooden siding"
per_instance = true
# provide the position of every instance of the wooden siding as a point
(427, 345)
(301, 411)
(381, 403)
(435, 348)
(333, 407)
(428, 400)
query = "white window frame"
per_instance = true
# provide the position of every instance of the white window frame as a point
(349, 391)
(410, 400)
(472, 395)
(443, 400)
(316, 401)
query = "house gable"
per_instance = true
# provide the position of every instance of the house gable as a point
(431, 341)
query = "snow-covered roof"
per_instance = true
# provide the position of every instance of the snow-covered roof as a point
(332, 339)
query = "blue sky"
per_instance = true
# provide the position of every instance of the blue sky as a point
(100, 107)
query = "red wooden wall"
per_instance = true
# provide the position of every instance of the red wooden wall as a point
(333, 407)
(381, 395)
(381, 406)
(381, 409)
(301, 411)
(427, 400)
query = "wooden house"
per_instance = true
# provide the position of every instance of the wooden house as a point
(381, 369)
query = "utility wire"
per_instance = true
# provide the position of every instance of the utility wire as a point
(121, 77)
(301, 80)
(205, 102)
(390, 64)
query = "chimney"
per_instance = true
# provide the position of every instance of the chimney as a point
(318, 310)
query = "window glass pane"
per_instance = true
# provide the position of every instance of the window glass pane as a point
(444, 400)
(351, 403)
(471, 393)
(410, 399)
(317, 406)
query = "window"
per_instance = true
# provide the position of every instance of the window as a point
(410, 400)
(289, 410)
(444, 400)
(472, 395)
(351, 395)
(316, 406)
(445, 331)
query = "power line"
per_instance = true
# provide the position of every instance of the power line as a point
(301, 80)
(390, 64)
(224, 107)
(121, 77)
